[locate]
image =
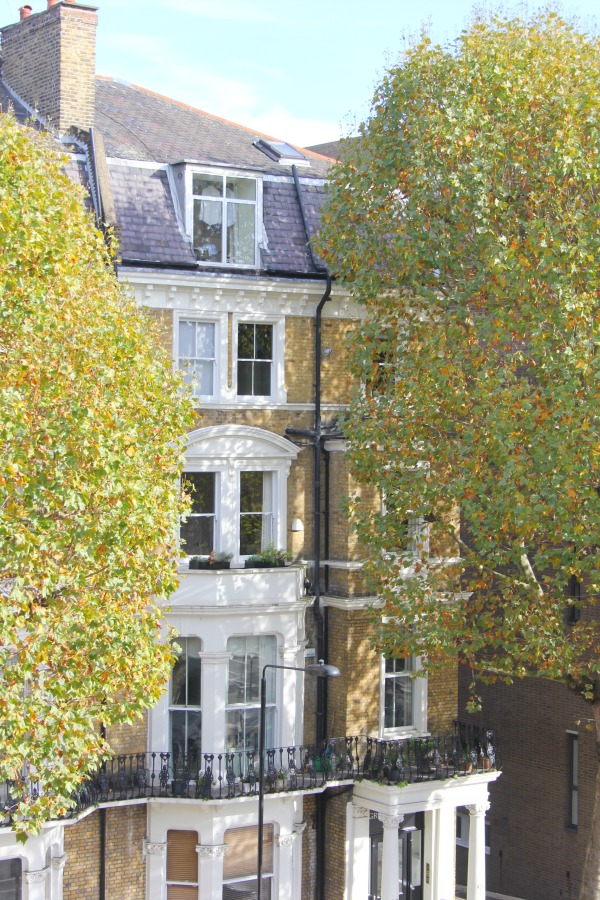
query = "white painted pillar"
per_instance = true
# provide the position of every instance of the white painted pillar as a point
(285, 843)
(390, 857)
(429, 845)
(58, 867)
(214, 697)
(359, 851)
(299, 828)
(35, 884)
(292, 693)
(444, 876)
(476, 868)
(156, 870)
(211, 870)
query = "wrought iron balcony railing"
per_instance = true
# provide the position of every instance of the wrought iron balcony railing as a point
(233, 774)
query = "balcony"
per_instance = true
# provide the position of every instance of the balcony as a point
(231, 775)
(280, 586)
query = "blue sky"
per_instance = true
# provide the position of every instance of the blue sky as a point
(301, 71)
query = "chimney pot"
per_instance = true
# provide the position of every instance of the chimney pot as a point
(24, 11)
(52, 3)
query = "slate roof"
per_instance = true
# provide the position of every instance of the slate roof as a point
(7, 101)
(143, 127)
(139, 124)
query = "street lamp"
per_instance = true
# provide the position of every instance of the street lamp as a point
(320, 670)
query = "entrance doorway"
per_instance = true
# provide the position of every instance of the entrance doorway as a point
(410, 843)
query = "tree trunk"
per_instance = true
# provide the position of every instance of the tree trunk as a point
(590, 881)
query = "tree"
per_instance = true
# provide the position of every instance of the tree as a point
(90, 439)
(467, 220)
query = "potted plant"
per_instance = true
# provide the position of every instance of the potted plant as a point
(199, 562)
(269, 557)
(219, 560)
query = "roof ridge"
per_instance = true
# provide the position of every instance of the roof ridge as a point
(216, 118)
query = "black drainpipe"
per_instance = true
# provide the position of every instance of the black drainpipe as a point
(102, 875)
(320, 620)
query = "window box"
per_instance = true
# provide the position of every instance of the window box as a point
(212, 561)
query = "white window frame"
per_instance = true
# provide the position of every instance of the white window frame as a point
(228, 450)
(220, 362)
(271, 700)
(217, 512)
(278, 392)
(419, 689)
(186, 708)
(190, 171)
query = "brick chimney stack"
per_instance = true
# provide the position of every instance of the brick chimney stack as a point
(49, 60)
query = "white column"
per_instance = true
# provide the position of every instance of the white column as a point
(214, 695)
(299, 828)
(390, 859)
(35, 884)
(291, 695)
(476, 869)
(211, 870)
(444, 862)
(429, 845)
(285, 843)
(156, 870)
(359, 851)
(58, 866)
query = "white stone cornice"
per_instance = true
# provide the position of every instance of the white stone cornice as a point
(350, 603)
(154, 848)
(58, 862)
(211, 851)
(359, 812)
(37, 877)
(299, 827)
(285, 840)
(391, 821)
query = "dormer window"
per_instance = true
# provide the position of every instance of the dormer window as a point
(224, 218)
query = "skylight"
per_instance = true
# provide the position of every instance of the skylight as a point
(283, 153)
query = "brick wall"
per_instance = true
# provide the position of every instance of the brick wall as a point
(442, 701)
(354, 697)
(125, 869)
(335, 830)
(533, 853)
(309, 848)
(82, 869)
(131, 738)
(49, 59)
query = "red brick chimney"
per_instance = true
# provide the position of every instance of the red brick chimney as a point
(49, 60)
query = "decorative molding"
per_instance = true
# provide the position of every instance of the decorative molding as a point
(211, 851)
(299, 827)
(214, 657)
(477, 809)
(37, 877)
(58, 862)
(391, 821)
(285, 840)
(153, 848)
(359, 812)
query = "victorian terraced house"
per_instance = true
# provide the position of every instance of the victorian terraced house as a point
(363, 776)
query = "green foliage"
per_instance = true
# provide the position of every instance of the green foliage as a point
(92, 417)
(467, 220)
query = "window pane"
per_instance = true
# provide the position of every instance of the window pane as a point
(245, 341)
(251, 534)
(178, 679)
(241, 188)
(208, 230)
(199, 374)
(262, 379)
(244, 379)
(197, 535)
(251, 491)
(242, 730)
(187, 339)
(205, 340)
(208, 184)
(193, 675)
(402, 702)
(264, 342)
(241, 244)
(201, 486)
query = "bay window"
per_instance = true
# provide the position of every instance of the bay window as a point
(256, 511)
(241, 862)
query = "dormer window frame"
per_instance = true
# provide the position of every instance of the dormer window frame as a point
(227, 204)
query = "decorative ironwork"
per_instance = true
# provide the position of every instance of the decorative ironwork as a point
(232, 774)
